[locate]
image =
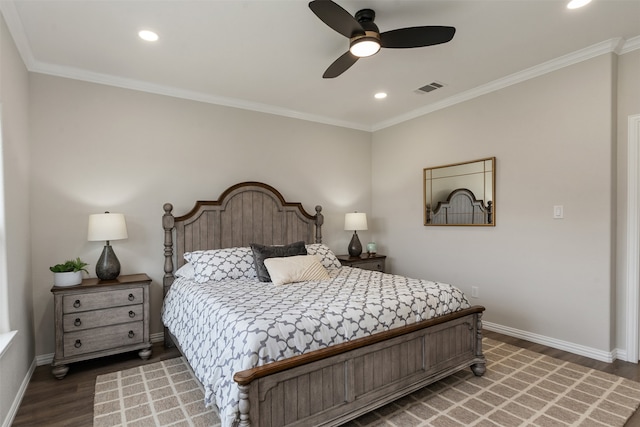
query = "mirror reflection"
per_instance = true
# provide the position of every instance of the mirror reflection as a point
(460, 194)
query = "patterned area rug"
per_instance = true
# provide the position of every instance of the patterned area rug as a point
(519, 388)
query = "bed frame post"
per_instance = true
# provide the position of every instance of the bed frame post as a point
(244, 406)
(168, 222)
(319, 222)
(479, 369)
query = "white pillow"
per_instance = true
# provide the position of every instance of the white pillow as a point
(297, 268)
(221, 264)
(326, 255)
(185, 271)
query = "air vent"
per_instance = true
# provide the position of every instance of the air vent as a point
(430, 87)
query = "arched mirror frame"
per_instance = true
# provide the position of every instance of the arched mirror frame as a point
(460, 194)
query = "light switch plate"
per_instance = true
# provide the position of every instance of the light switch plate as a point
(558, 212)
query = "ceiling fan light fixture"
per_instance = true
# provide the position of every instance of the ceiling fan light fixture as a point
(367, 45)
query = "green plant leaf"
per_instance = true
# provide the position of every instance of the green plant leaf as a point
(69, 266)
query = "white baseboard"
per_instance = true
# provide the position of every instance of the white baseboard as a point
(157, 337)
(44, 359)
(19, 395)
(603, 356)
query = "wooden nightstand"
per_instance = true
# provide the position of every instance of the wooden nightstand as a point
(99, 318)
(364, 261)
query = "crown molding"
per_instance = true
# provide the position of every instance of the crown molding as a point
(14, 23)
(142, 86)
(630, 45)
(608, 46)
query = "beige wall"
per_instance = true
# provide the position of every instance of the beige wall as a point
(97, 148)
(16, 361)
(552, 138)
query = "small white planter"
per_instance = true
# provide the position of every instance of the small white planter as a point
(71, 278)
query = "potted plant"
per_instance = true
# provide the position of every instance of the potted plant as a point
(69, 273)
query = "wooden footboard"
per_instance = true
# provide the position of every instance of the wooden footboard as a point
(331, 386)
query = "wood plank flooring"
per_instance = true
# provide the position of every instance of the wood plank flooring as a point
(69, 402)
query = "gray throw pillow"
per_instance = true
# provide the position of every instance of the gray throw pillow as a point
(262, 252)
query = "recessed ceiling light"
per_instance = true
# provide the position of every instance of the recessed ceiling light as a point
(575, 4)
(147, 35)
(380, 95)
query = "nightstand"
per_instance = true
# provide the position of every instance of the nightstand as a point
(99, 318)
(364, 261)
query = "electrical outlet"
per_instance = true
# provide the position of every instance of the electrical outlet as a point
(475, 292)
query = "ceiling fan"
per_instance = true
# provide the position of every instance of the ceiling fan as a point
(364, 37)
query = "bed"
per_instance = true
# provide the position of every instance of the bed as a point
(320, 381)
(461, 207)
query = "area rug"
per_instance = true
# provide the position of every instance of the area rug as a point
(520, 388)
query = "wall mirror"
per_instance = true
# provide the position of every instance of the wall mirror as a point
(460, 194)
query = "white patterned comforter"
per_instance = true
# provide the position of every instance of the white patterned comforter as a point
(229, 326)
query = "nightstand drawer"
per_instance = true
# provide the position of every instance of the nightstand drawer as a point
(375, 265)
(106, 317)
(98, 339)
(375, 262)
(106, 299)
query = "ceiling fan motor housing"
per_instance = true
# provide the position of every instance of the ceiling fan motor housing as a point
(365, 17)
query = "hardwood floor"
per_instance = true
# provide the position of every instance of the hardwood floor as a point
(69, 402)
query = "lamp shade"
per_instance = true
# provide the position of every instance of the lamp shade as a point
(355, 221)
(107, 226)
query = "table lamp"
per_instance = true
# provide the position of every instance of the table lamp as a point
(355, 221)
(107, 227)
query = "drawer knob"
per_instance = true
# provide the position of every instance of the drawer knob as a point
(77, 322)
(76, 303)
(131, 297)
(78, 344)
(132, 314)
(131, 334)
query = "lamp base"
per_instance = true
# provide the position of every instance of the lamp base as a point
(355, 247)
(108, 266)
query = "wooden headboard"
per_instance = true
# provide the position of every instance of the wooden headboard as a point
(249, 212)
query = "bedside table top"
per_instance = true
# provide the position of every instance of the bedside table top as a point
(94, 282)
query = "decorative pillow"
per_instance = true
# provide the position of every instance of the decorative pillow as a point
(297, 268)
(326, 255)
(262, 252)
(185, 271)
(221, 264)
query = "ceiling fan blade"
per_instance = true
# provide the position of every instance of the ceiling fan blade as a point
(340, 65)
(336, 17)
(416, 36)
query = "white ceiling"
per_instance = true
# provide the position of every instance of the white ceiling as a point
(269, 55)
